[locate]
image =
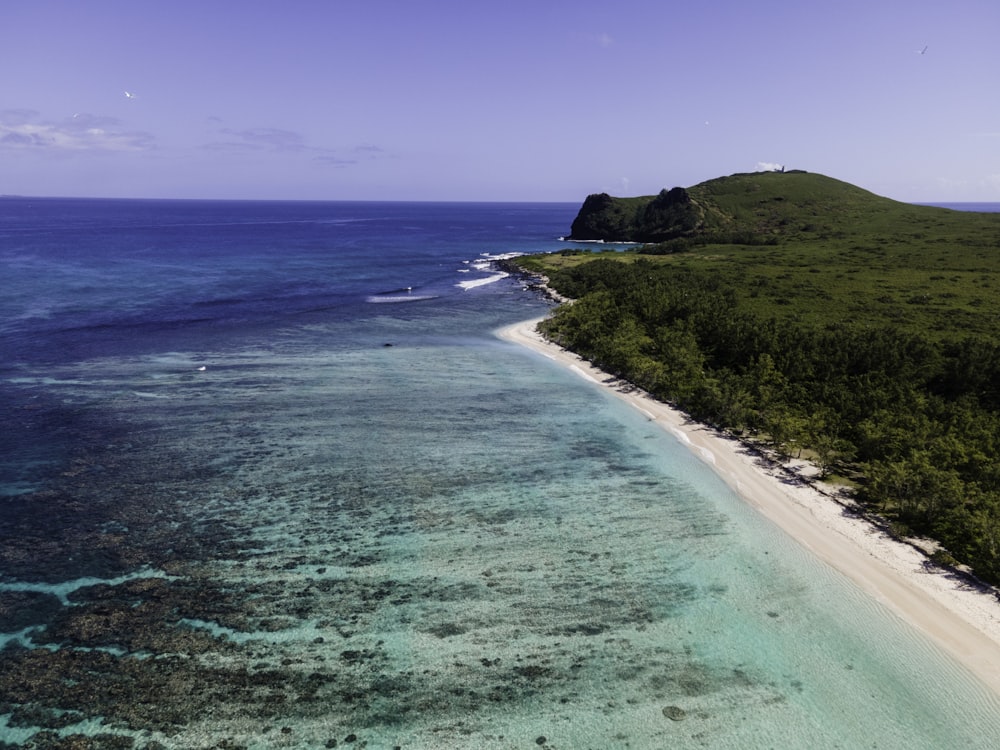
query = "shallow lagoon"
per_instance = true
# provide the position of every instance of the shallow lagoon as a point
(321, 540)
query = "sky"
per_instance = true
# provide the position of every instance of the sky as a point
(537, 100)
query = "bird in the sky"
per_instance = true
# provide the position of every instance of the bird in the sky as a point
(922, 51)
(129, 95)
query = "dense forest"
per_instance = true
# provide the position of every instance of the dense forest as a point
(899, 397)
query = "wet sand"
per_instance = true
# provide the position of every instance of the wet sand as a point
(960, 617)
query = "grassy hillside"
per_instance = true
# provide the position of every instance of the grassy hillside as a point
(819, 318)
(808, 247)
(788, 203)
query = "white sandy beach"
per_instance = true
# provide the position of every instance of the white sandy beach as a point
(962, 619)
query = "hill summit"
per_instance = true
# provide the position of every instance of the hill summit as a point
(761, 204)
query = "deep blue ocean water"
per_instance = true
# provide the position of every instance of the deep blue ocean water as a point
(975, 207)
(269, 479)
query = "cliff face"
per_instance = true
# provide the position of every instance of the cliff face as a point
(672, 213)
(605, 218)
(748, 208)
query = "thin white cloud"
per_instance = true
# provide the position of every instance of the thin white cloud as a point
(24, 129)
(279, 140)
(590, 38)
(270, 139)
(351, 156)
(336, 161)
(768, 166)
(978, 188)
(992, 182)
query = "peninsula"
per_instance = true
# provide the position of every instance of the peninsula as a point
(814, 320)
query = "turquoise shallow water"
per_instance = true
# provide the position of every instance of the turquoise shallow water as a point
(394, 529)
(514, 556)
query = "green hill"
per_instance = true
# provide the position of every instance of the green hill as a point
(815, 317)
(755, 207)
(806, 246)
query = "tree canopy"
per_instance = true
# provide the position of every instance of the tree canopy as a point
(901, 395)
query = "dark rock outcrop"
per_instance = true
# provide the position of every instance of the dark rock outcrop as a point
(670, 214)
(604, 218)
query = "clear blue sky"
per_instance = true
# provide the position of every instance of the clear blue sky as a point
(537, 100)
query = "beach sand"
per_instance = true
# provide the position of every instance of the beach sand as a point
(962, 618)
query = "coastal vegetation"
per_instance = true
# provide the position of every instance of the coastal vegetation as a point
(819, 319)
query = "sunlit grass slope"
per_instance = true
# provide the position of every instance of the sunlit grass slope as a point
(819, 318)
(808, 247)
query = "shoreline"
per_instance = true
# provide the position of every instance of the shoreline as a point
(961, 619)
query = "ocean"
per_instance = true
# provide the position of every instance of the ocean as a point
(980, 207)
(269, 479)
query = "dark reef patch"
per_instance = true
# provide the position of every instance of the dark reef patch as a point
(22, 609)
(232, 602)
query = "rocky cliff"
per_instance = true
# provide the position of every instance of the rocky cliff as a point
(670, 214)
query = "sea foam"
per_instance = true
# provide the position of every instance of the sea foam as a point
(473, 283)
